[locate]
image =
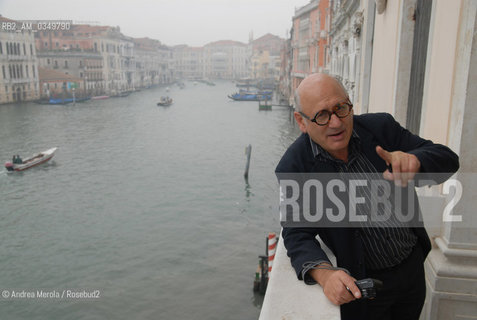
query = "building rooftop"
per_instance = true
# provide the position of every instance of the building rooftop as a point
(225, 43)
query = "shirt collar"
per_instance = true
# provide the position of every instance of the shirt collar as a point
(354, 147)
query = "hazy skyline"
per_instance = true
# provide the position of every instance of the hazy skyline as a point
(172, 22)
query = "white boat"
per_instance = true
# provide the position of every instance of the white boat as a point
(34, 160)
(99, 97)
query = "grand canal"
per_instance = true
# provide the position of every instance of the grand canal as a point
(145, 205)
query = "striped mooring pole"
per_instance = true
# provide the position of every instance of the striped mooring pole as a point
(272, 248)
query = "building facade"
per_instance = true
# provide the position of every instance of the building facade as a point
(346, 43)
(86, 66)
(189, 62)
(19, 66)
(227, 59)
(107, 61)
(153, 63)
(265, 60)
(309, 40)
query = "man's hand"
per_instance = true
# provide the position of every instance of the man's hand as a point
(337, 285)
(404, 165)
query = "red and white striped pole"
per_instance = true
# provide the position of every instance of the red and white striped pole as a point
(272, 247)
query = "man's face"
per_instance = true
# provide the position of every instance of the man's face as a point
(324, 93)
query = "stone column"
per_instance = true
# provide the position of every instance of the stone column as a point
(451, 267)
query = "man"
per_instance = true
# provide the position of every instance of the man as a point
(334, 140)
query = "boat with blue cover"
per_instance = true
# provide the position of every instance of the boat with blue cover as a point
(247, 96)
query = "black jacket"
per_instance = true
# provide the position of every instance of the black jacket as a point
(373, 129)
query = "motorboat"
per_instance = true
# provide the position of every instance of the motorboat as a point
(99, 97)
(165, 102)
(250, 97)
(34, 160)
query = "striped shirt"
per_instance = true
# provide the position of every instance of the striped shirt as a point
(385, 243)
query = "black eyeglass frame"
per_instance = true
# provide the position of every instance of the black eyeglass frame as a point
(349, 104)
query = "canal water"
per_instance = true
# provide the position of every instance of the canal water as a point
(145, 206)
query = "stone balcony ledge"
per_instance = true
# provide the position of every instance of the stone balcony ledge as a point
(288, 298)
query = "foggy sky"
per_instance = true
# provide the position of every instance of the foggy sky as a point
(192, 22)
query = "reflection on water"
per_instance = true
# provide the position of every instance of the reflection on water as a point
(144, 203)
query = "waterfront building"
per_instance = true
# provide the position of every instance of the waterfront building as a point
(85, 65)
(309, 40)
(284, 80)
(346, 43)
(227, 59)
(116, 50)
(189, 62)
(153, 63)
(18, 64)
(78, 52)
(165, 58)
(110, 61)
(265, 60)
(58, 85)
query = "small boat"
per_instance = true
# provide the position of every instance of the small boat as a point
(63, 101)
(260, 92)
(250, 97)
(165, 102)
(34, 160)
(99, 97)
(122, 94)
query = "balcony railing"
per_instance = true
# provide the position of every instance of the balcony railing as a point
(288, 298)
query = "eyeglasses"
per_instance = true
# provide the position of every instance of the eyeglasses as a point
(323, 117)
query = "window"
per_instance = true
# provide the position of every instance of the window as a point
(1, 48)
(24, 49)
(66, 64)
(33, 70)
(3, 72)
(31, 49)
(48, 61)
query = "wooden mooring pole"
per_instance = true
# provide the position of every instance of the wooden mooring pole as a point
(248, 152)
